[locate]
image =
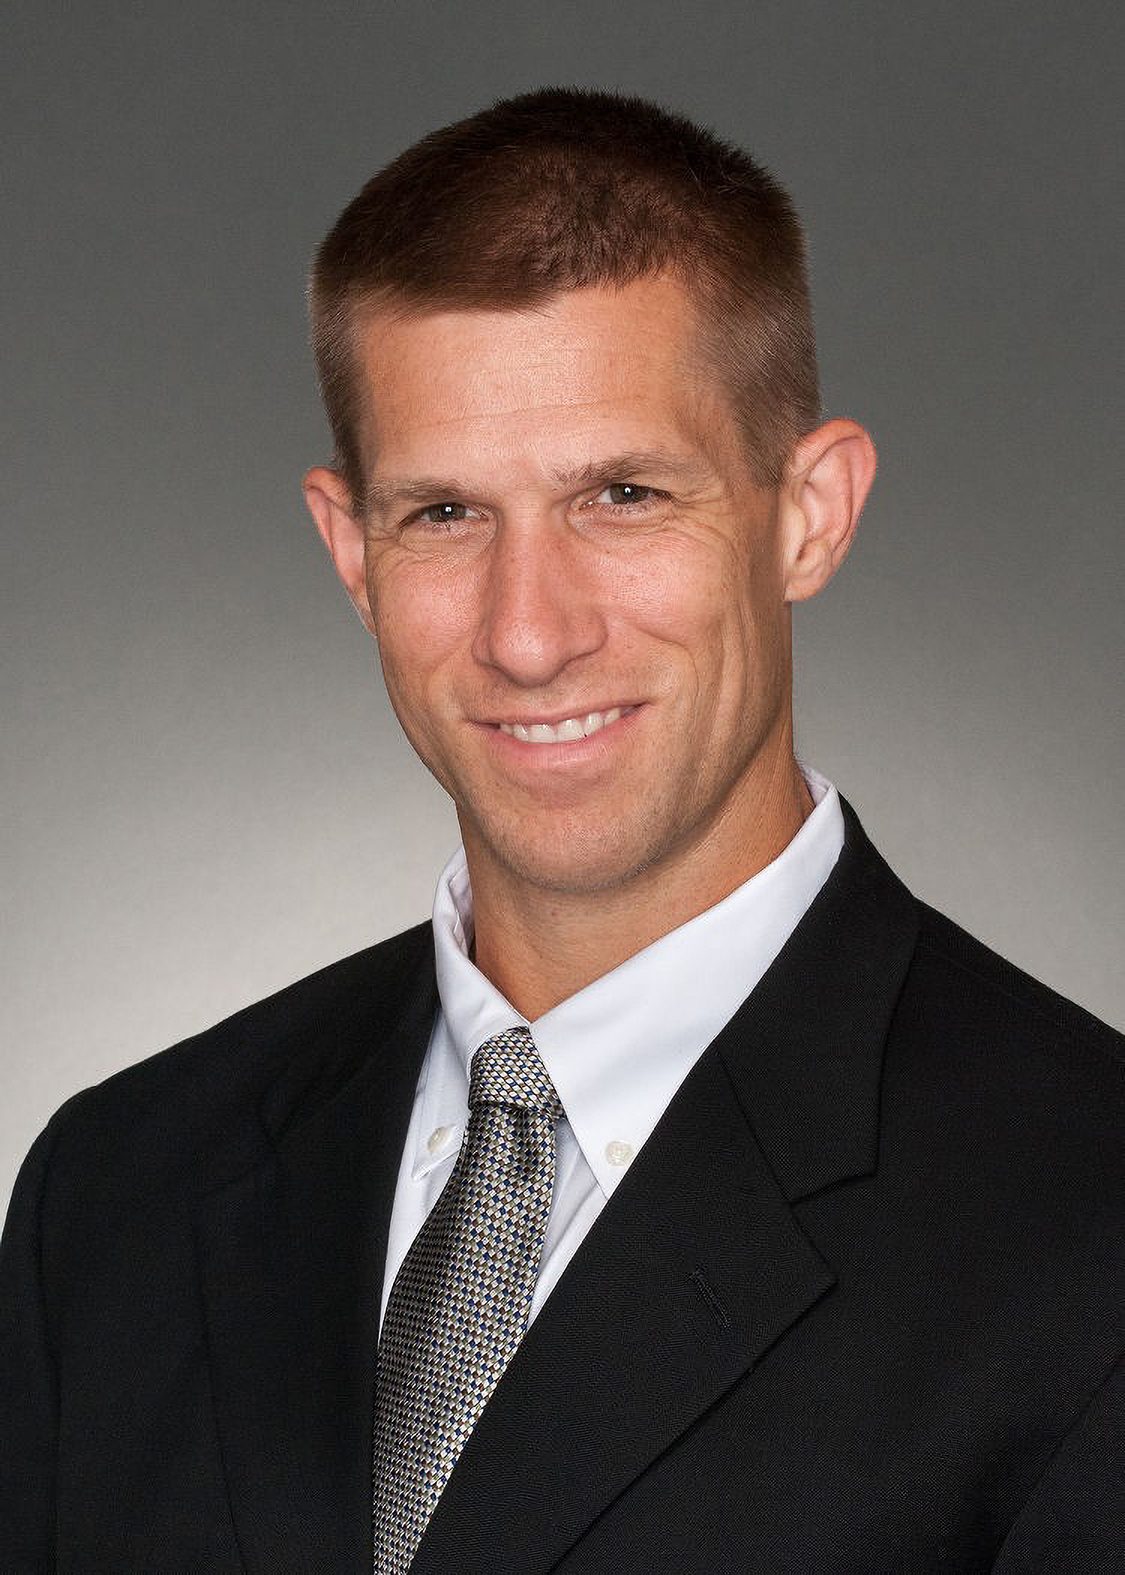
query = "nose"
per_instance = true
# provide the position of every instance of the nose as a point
(539, 607)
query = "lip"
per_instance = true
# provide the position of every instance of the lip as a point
(553, 718)
(596, 748)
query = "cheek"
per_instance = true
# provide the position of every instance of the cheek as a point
(735, 643)
(420, 622)
(668, 595)
(698, 611)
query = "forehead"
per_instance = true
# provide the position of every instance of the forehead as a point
(586, 366)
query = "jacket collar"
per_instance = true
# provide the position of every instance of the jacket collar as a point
(805, 1052)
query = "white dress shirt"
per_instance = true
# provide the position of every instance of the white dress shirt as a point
(617, 1051)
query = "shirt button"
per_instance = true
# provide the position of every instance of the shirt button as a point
(618, 1153)
(438, 1138)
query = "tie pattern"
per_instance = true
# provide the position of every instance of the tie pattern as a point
(460, 1303)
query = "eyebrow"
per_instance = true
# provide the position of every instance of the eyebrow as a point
(616, 467)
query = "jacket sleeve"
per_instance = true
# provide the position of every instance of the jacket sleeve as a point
(1074, 1521)
(28, 1386)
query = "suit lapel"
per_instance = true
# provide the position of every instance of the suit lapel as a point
(805, 1052)
(291, 1261)
(697, 1266)
(666, 1304)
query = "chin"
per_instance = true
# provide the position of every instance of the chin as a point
(573, 864)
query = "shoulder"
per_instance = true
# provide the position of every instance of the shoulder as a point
(984, 996)
(1007, 1078)
(198, 1107)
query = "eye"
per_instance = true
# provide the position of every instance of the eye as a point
(625, 494)
(440, 514)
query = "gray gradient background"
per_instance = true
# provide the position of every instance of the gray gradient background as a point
(206, 795)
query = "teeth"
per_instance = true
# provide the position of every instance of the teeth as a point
(565, 732)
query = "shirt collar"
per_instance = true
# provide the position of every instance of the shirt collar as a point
(618, 1050)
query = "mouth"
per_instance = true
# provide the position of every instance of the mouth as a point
(567, 731)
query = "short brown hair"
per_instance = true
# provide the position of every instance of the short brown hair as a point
(565, 188)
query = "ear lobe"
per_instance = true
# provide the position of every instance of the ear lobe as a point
(329, 503)
(830, 475)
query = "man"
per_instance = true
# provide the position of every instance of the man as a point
(710, 1202)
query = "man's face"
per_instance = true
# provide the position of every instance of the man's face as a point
(577, 590)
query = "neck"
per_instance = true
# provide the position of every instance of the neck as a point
(539, 946)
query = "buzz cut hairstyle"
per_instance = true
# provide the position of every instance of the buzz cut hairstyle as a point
(563, 189)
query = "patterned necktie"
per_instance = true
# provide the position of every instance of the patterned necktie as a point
(459, 1305)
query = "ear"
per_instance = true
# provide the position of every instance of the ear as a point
(330, 505)
(826, 485)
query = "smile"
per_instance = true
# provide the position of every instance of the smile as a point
(567, 731)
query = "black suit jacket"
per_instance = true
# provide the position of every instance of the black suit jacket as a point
(856, 1307)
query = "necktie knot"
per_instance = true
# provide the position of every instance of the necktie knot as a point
(506, 1070)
